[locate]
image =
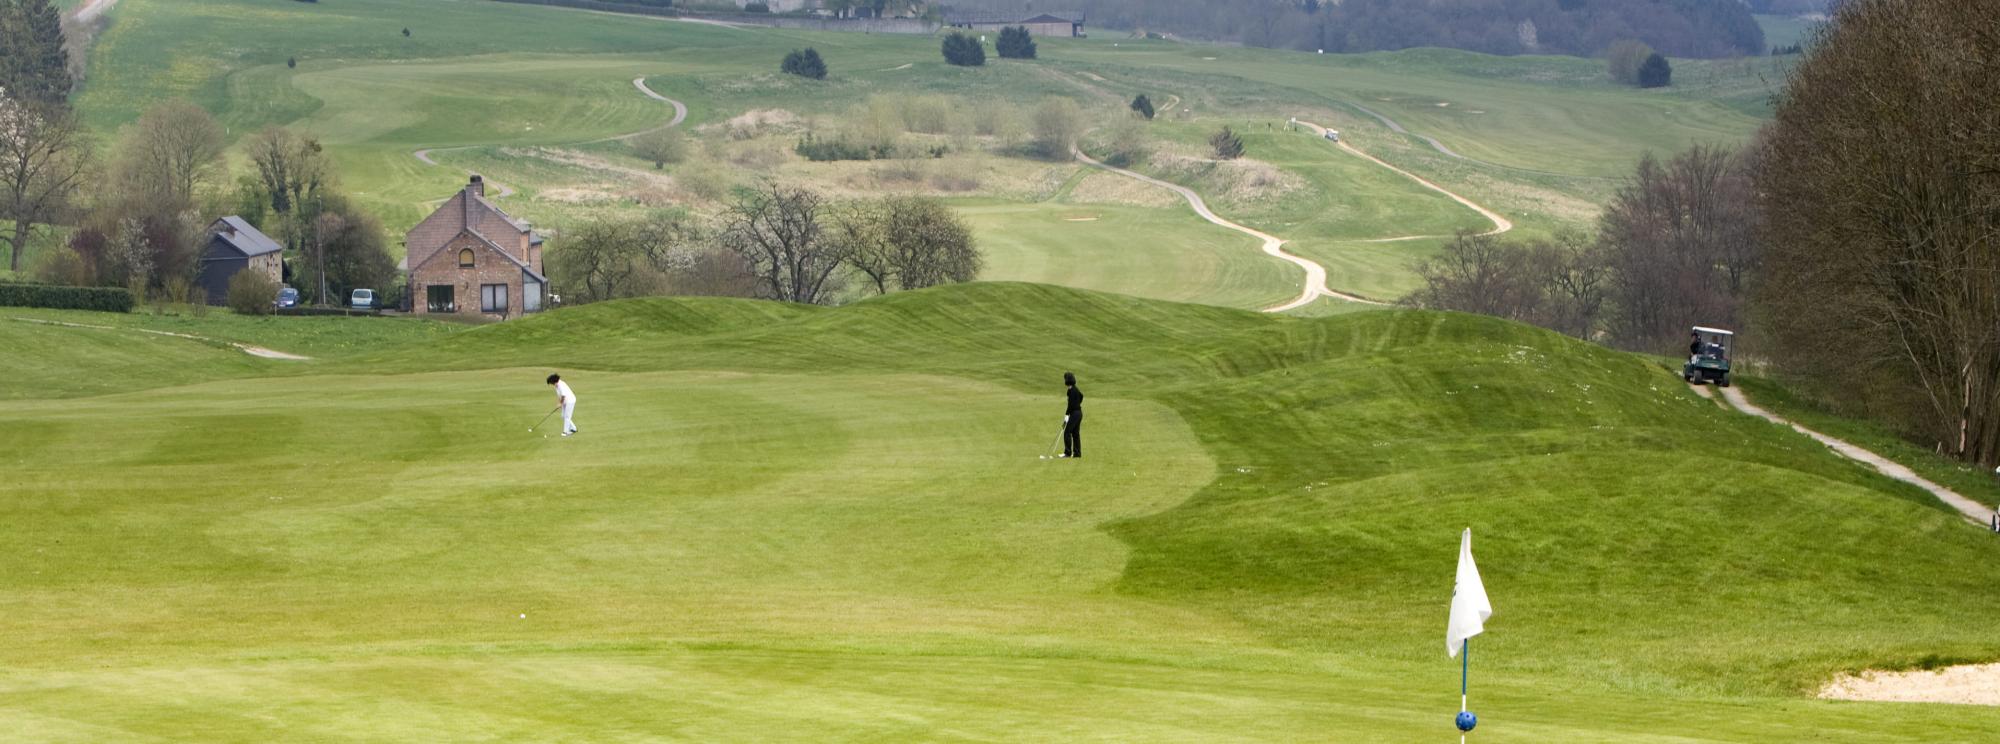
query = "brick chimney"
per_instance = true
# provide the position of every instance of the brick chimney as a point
(477, 186)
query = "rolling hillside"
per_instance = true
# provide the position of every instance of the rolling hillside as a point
(533, 97)
(811, 524)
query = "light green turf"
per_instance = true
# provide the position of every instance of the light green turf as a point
(789, 523)
(1161, 253)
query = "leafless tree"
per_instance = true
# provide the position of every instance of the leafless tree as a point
(1058, 122)
(1575, 280)
(45, 160)
(906, 242)
(1880, 183)
(780, 234)
(1680, 242)
(290, 166)
(169, 154)
(1481, 274)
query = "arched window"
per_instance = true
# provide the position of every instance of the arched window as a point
(465, 258)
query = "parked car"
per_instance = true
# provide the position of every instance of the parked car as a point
(1332, 135)
(363, 299)
(287, 297)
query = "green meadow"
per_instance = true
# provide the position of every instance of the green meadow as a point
(534, 94)
(792, 523)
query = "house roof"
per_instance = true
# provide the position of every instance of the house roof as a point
(1012, 18)
(243, 237)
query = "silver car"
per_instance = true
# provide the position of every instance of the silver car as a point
(363, 299)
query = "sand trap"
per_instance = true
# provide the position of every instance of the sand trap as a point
(1442, 104)
(1971, 684)
(1079, 219)
(1209, 58)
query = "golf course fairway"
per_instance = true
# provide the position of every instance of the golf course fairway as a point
(832, 524)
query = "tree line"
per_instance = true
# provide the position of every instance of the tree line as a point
(1677, 28)
(775, 242)
(1856, 238)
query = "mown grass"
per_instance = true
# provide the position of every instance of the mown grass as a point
(1970, 481)
(506, 75)
(805, 523)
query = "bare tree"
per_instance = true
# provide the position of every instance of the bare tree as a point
(1882, 280)
(613, 258)
(291, 166)
(1574, 280)
(1058, 122)
(44, 162)
(1477, 273)
(169, 154)
(907, 242)
(1680, 242)
(779, 232)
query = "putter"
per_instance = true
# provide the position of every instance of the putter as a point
(545, 419)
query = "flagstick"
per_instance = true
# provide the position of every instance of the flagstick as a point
(1464, 671)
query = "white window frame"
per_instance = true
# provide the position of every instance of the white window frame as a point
(488, 293)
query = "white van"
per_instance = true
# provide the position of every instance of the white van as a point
(363, 299)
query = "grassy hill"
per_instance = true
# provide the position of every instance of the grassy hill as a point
(829, 524)
(530, 93)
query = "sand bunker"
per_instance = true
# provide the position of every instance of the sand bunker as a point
(1971, 684)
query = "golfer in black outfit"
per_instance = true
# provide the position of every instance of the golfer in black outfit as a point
(1073, 419)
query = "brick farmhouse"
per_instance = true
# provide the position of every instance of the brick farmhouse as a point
(472, 260)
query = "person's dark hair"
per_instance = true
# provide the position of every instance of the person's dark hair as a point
(1069, 378)
(554, 378)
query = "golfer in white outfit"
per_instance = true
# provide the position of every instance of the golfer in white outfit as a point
(567, 400)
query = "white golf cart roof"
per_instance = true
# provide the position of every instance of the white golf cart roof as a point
(1713, 331)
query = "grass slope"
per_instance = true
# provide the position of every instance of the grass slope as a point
(828, 524)
(492, 76)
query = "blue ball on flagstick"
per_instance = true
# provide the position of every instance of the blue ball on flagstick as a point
(1466, 720)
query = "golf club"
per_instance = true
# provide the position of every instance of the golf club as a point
(1051, 451)
(545, 419)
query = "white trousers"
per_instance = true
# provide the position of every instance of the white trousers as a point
(569, 409)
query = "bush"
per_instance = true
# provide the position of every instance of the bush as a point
(1228, 146)
(252, 293)
(660, 147)
(756, 7)
(104, 299)
(805, 63)
(1057, 124)
(963, 50)
(829, 149)
(1623, 59)
(1143, 106)
(1015, 43)
(1656, 73)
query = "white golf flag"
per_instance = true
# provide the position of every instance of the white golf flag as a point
(1469, 606)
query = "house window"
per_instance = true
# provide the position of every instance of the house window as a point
(438, 299)
(465, 258)
(493, 298)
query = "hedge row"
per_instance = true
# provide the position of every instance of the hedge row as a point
(302, 310)
(107, 299)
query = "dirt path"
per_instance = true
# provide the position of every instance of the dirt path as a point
(1315, 286)
(252, 350)
(1971, 509)
(1500, 224)
(502, 190)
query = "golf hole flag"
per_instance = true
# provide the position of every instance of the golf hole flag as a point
(1469, 610)
(1469, 607)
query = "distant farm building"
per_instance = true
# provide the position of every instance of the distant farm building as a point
(471, 259)
(1066, 24)
(233, 246)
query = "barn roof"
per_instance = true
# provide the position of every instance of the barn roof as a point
(243, 237)
(1012, 18)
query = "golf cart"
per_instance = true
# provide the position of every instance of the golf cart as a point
(1708, 360)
